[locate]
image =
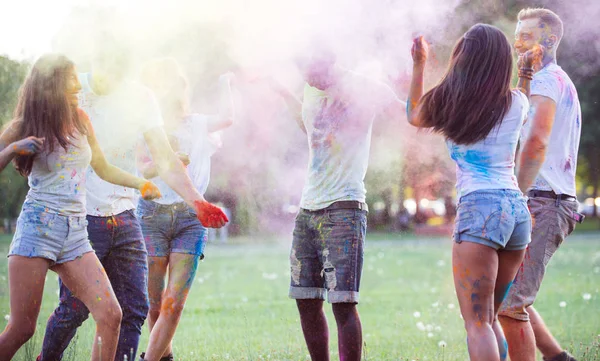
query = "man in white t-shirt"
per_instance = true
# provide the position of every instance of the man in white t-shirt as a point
(546, 171)
(121, 111)
(326, 258)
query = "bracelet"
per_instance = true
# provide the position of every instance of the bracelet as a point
(526, 73)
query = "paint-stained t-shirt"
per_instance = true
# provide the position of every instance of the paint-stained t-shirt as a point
(558, 171)
(490, 163)
(192, 138)
(57, 180)
(338, 124)
(118, 119)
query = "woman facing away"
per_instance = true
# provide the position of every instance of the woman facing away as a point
(52, 142)
(474, 107)
(174, 237)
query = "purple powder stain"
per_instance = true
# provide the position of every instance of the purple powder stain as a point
(567, 166)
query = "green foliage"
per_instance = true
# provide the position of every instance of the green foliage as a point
(13, 187)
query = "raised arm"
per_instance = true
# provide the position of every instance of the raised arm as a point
(419, 53)
(293, 104)
(533, 149)
(226, 114)
(11, 145)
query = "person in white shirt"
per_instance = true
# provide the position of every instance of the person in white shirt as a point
(121, 111)
(173, 235)
(326, 259)
(546, 171)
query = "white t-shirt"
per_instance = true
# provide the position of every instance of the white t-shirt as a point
(338, 123)
(490, 163)
(118, 120)
(558, 171)
(193, 139)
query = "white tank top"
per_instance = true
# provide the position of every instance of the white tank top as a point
(57, 179)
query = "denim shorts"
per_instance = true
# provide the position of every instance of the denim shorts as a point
(40, 233)
(327, 255)
(171, 228)
(498, 218)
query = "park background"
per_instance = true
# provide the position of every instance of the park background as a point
(238, 309)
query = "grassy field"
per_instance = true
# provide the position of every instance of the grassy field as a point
(238, 308)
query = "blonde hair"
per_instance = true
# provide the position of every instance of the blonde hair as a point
(548, 17)
(167, 75)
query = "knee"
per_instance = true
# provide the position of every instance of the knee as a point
(22, 331)
(110, 316)
(475, 327)
(172, 306)
(344, 311)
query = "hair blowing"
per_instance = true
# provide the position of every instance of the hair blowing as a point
(43, 109)
(474, 94)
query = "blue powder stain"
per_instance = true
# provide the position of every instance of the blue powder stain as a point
(504, 350)
(35, 182)
(505, 294)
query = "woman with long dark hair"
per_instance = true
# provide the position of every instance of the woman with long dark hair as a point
(174, 236)
(474, 107)
(52, 142)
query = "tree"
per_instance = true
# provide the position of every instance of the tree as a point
(13, 186)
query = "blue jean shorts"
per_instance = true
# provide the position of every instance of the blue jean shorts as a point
(327, 255)
(497, 218)
(171, 228)
(43, 234)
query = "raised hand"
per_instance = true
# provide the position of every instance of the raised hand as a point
(28, 146)
(184, 158)
(210, 215)
(532, 58)
(149, 191)
(419, 51)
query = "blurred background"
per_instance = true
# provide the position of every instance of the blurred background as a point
(259, 172)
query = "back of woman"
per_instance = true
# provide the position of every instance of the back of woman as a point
(480, 116)
(490, 163)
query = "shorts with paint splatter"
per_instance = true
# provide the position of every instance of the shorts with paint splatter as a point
(327, 255)
(498, 218)
(49, 235)
(171, 228)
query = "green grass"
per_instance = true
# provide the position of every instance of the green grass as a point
(238, 308)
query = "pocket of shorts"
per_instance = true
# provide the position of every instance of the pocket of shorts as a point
(146, 214)
(341, 216)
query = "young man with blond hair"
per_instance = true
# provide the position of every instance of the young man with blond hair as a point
(546, 173)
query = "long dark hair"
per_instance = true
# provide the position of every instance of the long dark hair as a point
(43, 109)
(474, 94)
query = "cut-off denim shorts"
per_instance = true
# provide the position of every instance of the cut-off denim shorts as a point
(497, 218)
(53, 236)
(171, 228)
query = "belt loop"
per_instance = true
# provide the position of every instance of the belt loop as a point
(557, 203)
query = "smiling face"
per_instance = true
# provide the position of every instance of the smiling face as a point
(531, 32)
(73, 87)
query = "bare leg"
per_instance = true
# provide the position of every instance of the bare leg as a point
(182, 270)
(544, 340)
(26, 277)
(315, 329)
(87, 280)
(508, 265)
(157, 271)
(520, 337)
(349, 331)
(475, 269)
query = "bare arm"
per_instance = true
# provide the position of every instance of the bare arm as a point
(226, 114)
(417, 88)
(293, 104)
(11, 146)
(115, 175)
(172, 171)
(533, 149)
